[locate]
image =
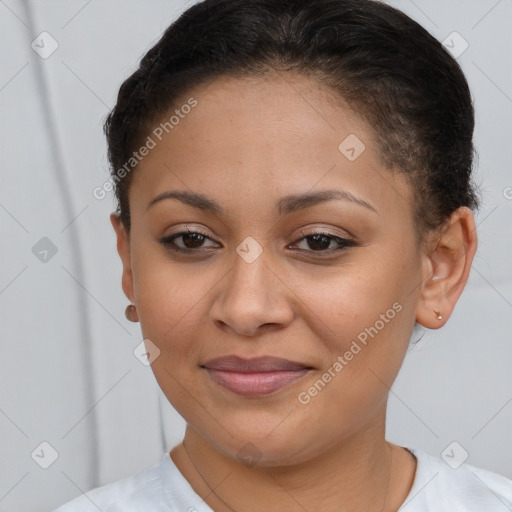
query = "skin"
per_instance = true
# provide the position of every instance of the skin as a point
(249, 142)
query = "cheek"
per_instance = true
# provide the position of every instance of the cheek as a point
(169, 299)
(170, 309)
(353, 298)
(368, 317)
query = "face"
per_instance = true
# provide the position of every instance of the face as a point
(330, 283)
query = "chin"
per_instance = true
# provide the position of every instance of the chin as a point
(258, 448)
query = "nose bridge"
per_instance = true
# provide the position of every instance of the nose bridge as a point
(251, 295)
(250, 275)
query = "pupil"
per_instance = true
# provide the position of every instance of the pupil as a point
(315, 245)
(197, 238)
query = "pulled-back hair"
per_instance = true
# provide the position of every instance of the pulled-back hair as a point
(390, 70)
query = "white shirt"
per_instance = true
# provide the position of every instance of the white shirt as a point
(436, 488)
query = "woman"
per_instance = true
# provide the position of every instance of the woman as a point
(294, 197)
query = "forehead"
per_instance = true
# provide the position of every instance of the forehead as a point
(268, 136)
(279, 107)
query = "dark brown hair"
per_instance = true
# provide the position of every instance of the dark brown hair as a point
(388, 68)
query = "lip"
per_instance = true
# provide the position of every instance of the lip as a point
(254, 377)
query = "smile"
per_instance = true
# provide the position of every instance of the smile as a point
(256, 376)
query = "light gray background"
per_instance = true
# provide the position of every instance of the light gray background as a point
(67, 372)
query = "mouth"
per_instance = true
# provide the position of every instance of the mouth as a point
(255, 377)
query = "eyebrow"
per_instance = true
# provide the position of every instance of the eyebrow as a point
(285, 205)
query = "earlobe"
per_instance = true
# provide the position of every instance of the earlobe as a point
(123, 249)
(446, 268)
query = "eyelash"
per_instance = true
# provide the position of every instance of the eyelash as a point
(168, 242)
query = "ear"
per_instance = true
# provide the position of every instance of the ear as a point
(446, 266)
(123, 249)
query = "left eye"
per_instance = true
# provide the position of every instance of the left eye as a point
(320, 242)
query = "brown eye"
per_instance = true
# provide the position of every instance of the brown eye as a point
(191, 241)
(321, 242)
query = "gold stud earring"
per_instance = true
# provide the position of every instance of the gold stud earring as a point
(129, 313)
(438, 315)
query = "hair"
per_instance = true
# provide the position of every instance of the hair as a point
(385, 66)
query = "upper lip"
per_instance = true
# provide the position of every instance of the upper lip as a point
(258, 364)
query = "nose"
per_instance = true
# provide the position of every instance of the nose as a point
(253, 299)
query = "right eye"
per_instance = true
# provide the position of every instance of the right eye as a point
(192, 241)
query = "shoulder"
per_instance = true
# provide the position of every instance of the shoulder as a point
(159, 488)
(143, 489)
(454, 487)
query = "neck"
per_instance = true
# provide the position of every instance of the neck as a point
(355, 474)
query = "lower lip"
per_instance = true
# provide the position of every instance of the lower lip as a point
(255, 384)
